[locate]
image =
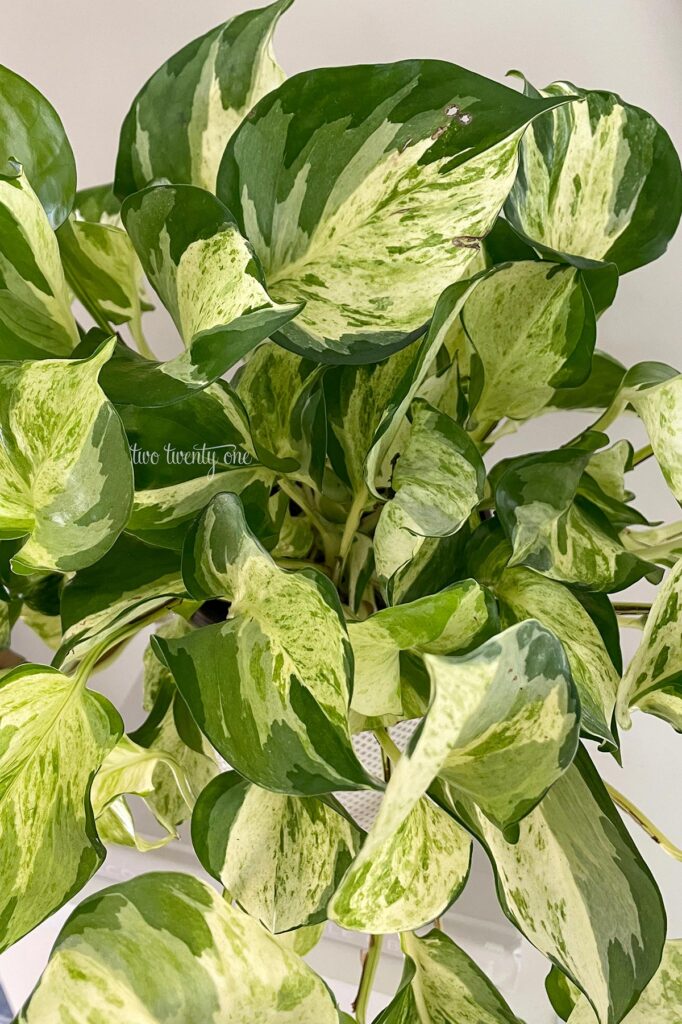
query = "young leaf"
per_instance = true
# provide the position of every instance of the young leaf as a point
(270, 687)
(591, 177)
(657, 399)
(167, 949)
(129, 770)
(653, 681)
(412, 866)
(65, 473)
(182, 118)
(438, 481)
(366, 190)
(555, 530)
(455, 620)
(574, 883)
(32, 136)
(527, 594)
(205, 274)
(280, 857)
(35, 305)
(661, 1000)
(441, 983)
(54, 736)
(532, 327)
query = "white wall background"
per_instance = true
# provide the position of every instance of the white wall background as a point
(90, 57)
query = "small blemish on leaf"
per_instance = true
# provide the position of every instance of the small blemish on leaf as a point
(467, 242)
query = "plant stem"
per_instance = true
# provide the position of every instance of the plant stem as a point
(387, 745)
(642, 454)
(644, 822)
(632, 607)
(352, 523)
(369, 970)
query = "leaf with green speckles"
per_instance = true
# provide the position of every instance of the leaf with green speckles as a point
(438, 481)
(284, 401)
(532, 328)
(165, 948)
(452, 621)
(653, 681)
(575, 884)
(280, 857)
(413, 864)
(53, 738)
(656, 395)
(183, 117)
(366, 190)
(206, 275)
(32, 136)
(35, 304)
(591, 177)
(441, 983)
(558, 530)
(661, 1001)
(270, 687)
(66, 480)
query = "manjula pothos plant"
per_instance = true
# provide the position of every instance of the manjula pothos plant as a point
(400, 263)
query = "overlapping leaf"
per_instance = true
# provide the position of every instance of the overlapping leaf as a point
(212, 962)
(558, 531)
(574, 883)
(53, 738)
(65, 472)
(182, 118)
(451, 621)
(441, 983)
(532, 327)
(438, 481)
(653, 681)
(35, 304)
(269, 687)
(280, 857)
(591, 178)
(205, 274)
(365, 191)
(32, 136)
(661, 1000)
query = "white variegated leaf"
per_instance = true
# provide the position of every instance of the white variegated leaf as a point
(54, 735)
(280, 857)
(532, 328)
(653, 681)
(441, 984)
(445, 623)
(368, 199)
(65, 470)
(35, 304)
(661, 1001)
(413, 864)
(166, 949)
(659, 406)
(270, 686)
(527, 594)
(591, 177)
(575, 884)
(438, 481)
(183, 117)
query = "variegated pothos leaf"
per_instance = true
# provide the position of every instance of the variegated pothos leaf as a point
(65, 470)
(210, 962)
(280, 857)
(270, 686)
(365, 191)
(661, 1000)
(53, 737)
(183, 117)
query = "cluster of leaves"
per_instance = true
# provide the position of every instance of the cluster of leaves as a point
(405, 261)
